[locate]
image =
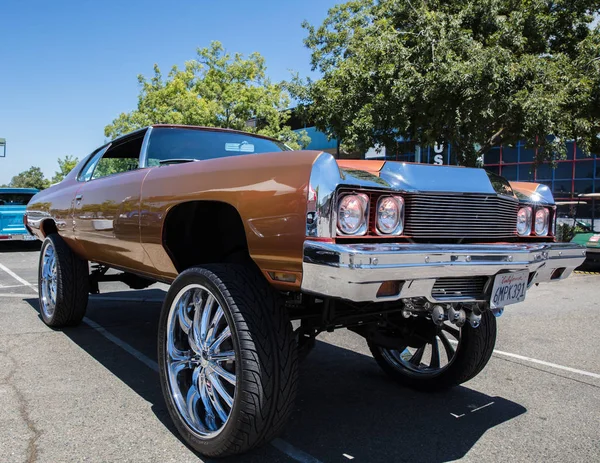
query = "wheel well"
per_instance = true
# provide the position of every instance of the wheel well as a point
(204, 232)
(48, 226)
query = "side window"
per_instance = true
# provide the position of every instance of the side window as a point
(120, 157)
(88, 169)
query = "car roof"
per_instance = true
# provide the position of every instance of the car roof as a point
(19, 190)
(212, 129)
(133, 133)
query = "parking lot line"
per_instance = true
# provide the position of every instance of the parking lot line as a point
(20, 296)
(548, 364)
(15, 276)
(122, 344)
(293, 452)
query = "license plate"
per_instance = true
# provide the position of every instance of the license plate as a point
(509, 288)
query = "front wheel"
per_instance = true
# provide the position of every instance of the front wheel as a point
(440, 357)
(227, 358)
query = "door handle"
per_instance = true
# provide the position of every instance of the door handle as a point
(78, 197)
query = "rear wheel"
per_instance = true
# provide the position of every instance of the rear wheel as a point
(439, 357)
(63, 283)
(227, 357)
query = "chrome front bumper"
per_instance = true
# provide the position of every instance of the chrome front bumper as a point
(356, 271)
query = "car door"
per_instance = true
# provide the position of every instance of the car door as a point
(107, 206)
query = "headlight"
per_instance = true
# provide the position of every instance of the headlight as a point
(352, 214)
(390, 215)
(524, 221)
(541, 221)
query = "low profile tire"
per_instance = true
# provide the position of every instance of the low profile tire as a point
(227, 359)
(63, 283)
(449, 357)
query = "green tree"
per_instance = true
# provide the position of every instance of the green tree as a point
(216, 89)
(65, 165)
(474, 74)
(31, 178)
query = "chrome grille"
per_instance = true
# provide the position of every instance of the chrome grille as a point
(471, 287)
(460, 216)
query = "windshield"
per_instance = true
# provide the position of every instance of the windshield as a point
(192, 144)
(15, 199)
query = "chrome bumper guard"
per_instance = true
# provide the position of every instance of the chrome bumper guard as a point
(356, 271)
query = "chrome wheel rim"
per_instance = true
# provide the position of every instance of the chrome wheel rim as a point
(200, 360)
(48, 281)
(435, 356)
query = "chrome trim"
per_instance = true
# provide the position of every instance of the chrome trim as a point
(356, 271)
(541, 197)
(456, 216)
(200, 361)
(48, 281)
(321, 217)
(93, 158)
(438, 179)
(144, 150)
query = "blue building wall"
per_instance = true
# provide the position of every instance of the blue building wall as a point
(318, 140)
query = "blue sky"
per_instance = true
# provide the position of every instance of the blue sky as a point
(68, 68)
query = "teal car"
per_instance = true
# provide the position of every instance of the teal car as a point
(13, 202)
(589, 237)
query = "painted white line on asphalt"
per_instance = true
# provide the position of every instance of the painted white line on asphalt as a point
(122, 344)
(15, 276)
(293, 452)
(542, 362)
(483, 406)
(548, 364)
(11, 286)
(20, 296)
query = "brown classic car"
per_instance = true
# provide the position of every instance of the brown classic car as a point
(252, 237)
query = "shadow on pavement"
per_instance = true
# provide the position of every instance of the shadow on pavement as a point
(345, 405)
(20, 246)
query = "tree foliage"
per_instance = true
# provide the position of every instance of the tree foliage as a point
(218, 90)
(31, 178)
(474, 74)
(65, 165)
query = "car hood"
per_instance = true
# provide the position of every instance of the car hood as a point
(413, 178)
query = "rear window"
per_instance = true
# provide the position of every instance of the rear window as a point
(15, 199)
(174, 143)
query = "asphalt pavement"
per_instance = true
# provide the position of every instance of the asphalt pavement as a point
(91, 393)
